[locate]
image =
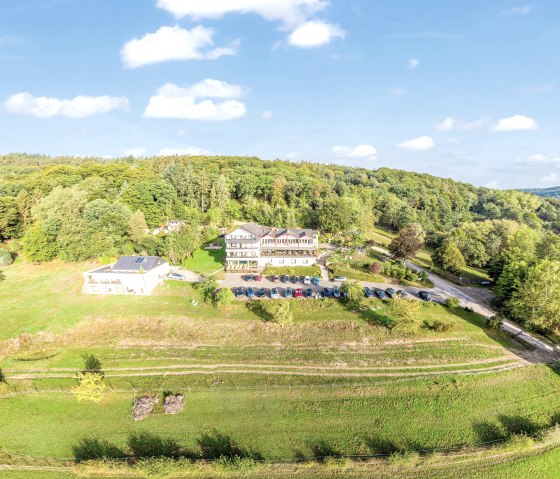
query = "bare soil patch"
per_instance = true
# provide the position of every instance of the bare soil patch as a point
(143, 407)
(174, 404)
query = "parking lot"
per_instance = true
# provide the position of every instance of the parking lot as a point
(235, 281)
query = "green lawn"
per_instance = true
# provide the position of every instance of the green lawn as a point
(207, 261)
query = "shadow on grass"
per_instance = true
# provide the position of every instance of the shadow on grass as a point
(216, 445)
(509, 426)
(369, 314)
(321, 450)
(90, 448)
(259, 309)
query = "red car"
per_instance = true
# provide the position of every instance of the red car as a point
(298, 293)
(258, 277)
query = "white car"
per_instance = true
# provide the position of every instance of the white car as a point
(307, 280)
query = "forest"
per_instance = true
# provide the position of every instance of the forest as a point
(77, 209)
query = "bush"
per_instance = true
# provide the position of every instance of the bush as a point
(216, 445)
(495, 322)
(90, 387)
(5, 257)
(375, 268)
(452, 302)
(440, 326)
(145, 445)
(92, 364)
(2, 376)
(208, 286)
(90, 449)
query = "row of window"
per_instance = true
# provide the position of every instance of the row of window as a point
(288, 241)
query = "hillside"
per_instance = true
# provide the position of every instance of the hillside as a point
(552, 192)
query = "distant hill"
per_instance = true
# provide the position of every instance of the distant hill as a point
(553, 192)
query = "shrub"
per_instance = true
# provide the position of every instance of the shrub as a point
(495, 322)
(90, 387)
(452, 302)
(375, 267)
(5, 257)
(208, 286)
(216, 445)
(440, 326)
(89, 449)
(2, 376)
(144, 444)
(282, 312)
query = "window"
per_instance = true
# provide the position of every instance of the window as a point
(305, 261)
(294, 261)
(280, 261)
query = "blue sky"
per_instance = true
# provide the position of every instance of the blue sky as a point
(461, 89)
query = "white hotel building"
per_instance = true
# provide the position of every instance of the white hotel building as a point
(252, 247)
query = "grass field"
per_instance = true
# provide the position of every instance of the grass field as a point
(207, 261)
(334, 380)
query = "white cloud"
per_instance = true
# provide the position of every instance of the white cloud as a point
(172, 43)
(548, 88)
(516, 123)
(422, 143)
(314, 33)
(266, 115)
(292, 156)
(546, 158)
(551, 179)
(184, 151)
(413, 63)
(450, 123)
(290, 12)
(361, 151)
(77, 107)
(521, 10)
(492, 184)
(172, 101)
(136, 152)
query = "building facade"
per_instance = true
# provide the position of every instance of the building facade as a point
(252, 247)
(128, 275)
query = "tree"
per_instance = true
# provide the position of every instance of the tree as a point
(355, 294)
(6, 258)
(92, 364)
(137, 227)
(10, 219)
(452, 302)
(155, 199)
(449, 258)
(181, 245)
(38, 246)
(341, 214)
(219, 193)
(406, 314)
(375, 267)
(537, 303)
(409, 241)
(90, 387)
(208, 286)
(281, 312)
(223, 297)
(183, 179)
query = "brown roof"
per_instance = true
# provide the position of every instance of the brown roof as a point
(262, 231)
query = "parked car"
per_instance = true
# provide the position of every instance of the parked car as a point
(368, 293)
(327, 293)
(289, 293)
(261, 293)
(402, 293)
(390, 292)
(258, 277)
(298, 293)
(250, 292)
(424, 295)
(274, 294)
(276, 278)
(380, 293)
(296, 279)
(308, 293)
(239, 292)
(336, 292)
(249, 277)
(307, 280)
(339, 278)
(315, 280)
(177, 276)
(285, 279)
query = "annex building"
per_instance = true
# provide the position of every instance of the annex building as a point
(128, 275)
(252, 247)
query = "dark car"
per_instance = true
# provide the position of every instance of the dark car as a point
(402, 293)
(424, 295)
(261, 293)
(380, 293)
(308, 293)
(296, 279)
(327, 293)
(336, 292)
(298, 293)
(289, 293)
(249, 277)
(285, 279)
(276, 279)
(368, 293)
(239, 292)
(315, 280)
(390, 292)
(250, 292)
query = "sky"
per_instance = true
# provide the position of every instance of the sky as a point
(466, 89)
